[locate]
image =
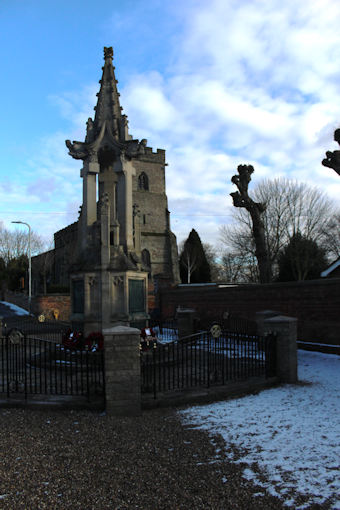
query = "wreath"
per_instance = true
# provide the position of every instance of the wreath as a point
(74, 340)
(148, 339)
(94, 342)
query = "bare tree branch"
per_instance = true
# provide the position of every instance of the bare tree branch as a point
(255, 209)
(13, 244)
(291, 207)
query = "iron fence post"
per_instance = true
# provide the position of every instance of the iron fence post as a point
(208, 339)
(87, 376)
(7, 365)
(25, 365)
(154, 371)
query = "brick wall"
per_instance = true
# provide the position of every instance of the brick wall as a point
(42, 304)
(316, 304)
(48, 304)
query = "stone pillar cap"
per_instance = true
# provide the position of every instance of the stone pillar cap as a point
(281, 318)
(267, 312)
(121, 330)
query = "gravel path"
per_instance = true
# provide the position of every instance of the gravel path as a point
(79, 459)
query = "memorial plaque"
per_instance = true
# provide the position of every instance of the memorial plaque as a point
(136, 296)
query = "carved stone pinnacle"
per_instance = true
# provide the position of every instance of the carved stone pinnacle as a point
(108, 52)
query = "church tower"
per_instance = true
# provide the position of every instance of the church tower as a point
(125, 248)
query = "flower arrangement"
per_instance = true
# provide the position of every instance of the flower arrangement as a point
(74, 340)
(148, 339)
(145, 332)
(94, 342)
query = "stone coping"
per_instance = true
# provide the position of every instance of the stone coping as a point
(121, 330)
(281, 318)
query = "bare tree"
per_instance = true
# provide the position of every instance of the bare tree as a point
(301, 259)
(13, 244)
(291, 208)
(255, 210)
(331, 233)
(236, 268)
(188, 259)
(331, 236)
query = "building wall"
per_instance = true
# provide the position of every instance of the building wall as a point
(154, 215)
(156, 236)
(65, 242)
(53, 306)
(316, 304)
(46, 305)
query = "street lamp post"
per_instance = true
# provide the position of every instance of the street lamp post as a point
(29, 264)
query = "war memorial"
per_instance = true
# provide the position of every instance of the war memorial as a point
(121, 248)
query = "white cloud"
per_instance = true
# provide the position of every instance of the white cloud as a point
(76, 107)
(253, 82)
(48, 194)
(262, 78)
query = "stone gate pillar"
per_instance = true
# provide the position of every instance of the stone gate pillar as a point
(261, 317)
(122, 371)
(185, 321)
(286, 346)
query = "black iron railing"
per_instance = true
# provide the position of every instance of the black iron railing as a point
(230, 322)
(31, 326)
(165, 330)
(203, 361)
(31, 366)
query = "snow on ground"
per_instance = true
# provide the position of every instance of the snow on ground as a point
(292, 432)
(15, 308)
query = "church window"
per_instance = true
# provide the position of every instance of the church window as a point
(78, 296)
(143, 182)
(146, 259)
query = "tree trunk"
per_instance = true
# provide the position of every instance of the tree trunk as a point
(261, 252)
(255, 209)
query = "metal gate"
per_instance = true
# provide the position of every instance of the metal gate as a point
(202, 360)
(30, 366)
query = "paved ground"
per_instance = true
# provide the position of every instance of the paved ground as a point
(82, 460)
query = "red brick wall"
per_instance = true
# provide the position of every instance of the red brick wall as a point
(47, 305)
(151, 296)
(315, 303)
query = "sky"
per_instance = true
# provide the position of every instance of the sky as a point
(216, 84)
(289, 434)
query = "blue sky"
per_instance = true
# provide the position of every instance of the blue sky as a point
(215, 83)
